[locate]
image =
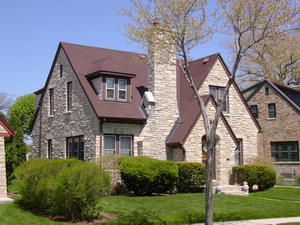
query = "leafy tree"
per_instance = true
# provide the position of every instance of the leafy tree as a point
(15, 148)
(276, 59)
(168, 26)
(24, 108)
(20, 116)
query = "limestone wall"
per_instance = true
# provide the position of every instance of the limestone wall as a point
(224, 149)
(238, 117)
(80, 121)
(164, 113)
(3, 192)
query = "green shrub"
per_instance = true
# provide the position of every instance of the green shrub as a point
(62, 187)
(298, 180)
(145, 176)
(263, 176)
(191, 177)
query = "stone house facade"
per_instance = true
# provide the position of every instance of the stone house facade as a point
(277, 109)
(5, 131)
(99, 101)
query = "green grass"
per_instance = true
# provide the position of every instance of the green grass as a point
(178, 209)
(280, 193)
(189, 208)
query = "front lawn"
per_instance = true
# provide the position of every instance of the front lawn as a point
(189, 208)
(178, 209)
(281, 193)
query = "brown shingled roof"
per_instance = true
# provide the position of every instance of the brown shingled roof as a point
(86, 60)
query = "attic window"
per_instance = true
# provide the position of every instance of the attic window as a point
(267, 91)
(60, 71)
(205, 60)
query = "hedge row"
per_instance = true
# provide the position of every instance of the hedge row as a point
(67, 188)
(144, 175)
(263, 176)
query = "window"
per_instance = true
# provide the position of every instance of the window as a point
(116, 89)
(122, 86)
(69, 96)
(238, 153)
(266, 91)
(254, 110)
(60, 71)
(117, 144)
(110, 88)
(51, 101)
(272, 110)
(217, 93)
(285, 151)
(109, 145)
(50, 149)
(75, 147)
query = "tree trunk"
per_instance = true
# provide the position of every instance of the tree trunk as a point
(209, 201)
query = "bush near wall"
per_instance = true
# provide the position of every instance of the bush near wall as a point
(68, 188)
(191, 177)
(263, 176)
(144, 175)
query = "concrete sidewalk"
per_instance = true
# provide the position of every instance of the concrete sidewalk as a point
(259, 222)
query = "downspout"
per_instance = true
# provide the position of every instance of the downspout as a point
(101, 134)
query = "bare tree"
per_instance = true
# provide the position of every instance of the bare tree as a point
(179, 25)
(5, 101)
(276, 59)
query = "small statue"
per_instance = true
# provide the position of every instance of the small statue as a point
(219, 189)
(246, 188)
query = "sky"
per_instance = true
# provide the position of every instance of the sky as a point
(32, 29)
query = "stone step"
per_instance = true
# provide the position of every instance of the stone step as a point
(231, 189)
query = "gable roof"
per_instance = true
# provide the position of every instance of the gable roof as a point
(86, 61)
(290, 95)
(5, 125)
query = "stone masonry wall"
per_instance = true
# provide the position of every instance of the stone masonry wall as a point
(3, 192)
(124, 129)
(238, 117)
(164, 113)
(224, 149)
(80, 121)
(285, 127)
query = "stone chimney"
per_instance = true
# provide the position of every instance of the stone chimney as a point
(163, 112)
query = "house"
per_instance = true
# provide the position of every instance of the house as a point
(100, 101)
(5, 131)
(277, 109)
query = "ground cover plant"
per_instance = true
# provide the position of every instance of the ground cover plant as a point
(174, 209)
(63, 188)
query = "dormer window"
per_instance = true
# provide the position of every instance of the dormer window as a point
(116, 89)
(122, 89)
(110, 88)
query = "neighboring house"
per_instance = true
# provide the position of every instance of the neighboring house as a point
(99, 101)
(277, 109)
(5, 131)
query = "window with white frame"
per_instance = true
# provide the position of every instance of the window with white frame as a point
(109, 145)
(110, 88)
(122, 89)
(117, 144)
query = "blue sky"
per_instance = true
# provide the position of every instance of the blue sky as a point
(31, 31)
